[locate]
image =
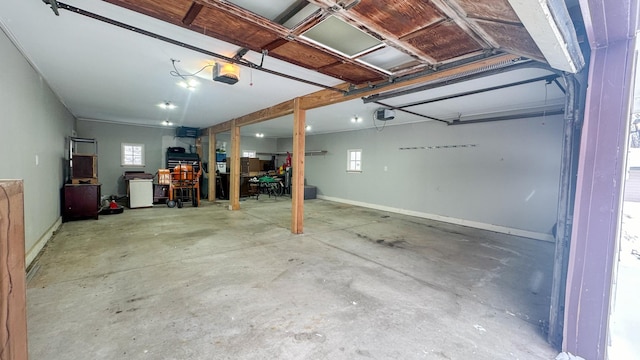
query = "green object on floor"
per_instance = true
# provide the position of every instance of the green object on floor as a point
(267, 179)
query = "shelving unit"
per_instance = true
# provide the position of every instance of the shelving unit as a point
(284, 153)
(83, 166)
(81, 194)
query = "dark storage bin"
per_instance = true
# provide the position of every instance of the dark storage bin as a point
(184, 131)
(177, 149)
(310, 192)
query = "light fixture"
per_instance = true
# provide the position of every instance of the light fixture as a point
(356, 119)
(188, 83)
(308, 128)
(259, 135)
(227, 73)
(167, 123)
(167, 105)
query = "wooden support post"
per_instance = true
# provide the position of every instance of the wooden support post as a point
(199, 147)
(212, 167)
(297, 164)
(13, 298)
(234, 181)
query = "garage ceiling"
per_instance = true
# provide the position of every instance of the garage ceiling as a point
(355, 41)
(288, 48)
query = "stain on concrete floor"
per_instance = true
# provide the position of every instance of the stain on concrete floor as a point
(207, 283)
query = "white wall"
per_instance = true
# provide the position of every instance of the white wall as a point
(33, 128)
(262, 145)
(509, 180)
(110, 137)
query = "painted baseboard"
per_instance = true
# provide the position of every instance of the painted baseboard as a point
(35, 249)
(447, 219)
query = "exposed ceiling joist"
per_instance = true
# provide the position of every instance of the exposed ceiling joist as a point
(323, 97)
(192, 13)
(417, 43)
(327, 97)
(236, 59)
(411, 35)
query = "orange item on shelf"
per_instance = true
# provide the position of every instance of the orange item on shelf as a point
(183, 172)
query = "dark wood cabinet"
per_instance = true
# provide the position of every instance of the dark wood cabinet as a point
(81, 201)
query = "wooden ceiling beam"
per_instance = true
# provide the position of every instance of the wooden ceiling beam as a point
(219, 128)
(275, 44)
(359, 22)
(283, 32)
(470, 27)
(329, 97)
(247, 16)
(192, 13)
(276, 111)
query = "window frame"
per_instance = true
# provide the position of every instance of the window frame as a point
(248, 153)
(355, 165)
(123, 157)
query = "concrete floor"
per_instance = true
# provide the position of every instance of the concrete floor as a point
(208, 283)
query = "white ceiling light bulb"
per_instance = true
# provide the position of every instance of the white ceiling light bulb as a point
(188, 83)
(308, 128)
(192, 82)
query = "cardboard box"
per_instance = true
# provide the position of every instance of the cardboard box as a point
(164, 176)
(254, 164)
(84, 166)
(249, 165)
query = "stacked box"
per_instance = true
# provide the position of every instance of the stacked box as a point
(84, 166)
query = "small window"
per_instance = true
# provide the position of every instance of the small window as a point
(132, 154)
(249, 153)
(354, 160)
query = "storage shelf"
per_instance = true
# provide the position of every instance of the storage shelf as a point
(281, 153)
(82, 165)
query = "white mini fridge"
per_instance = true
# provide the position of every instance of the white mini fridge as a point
(140, 193)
